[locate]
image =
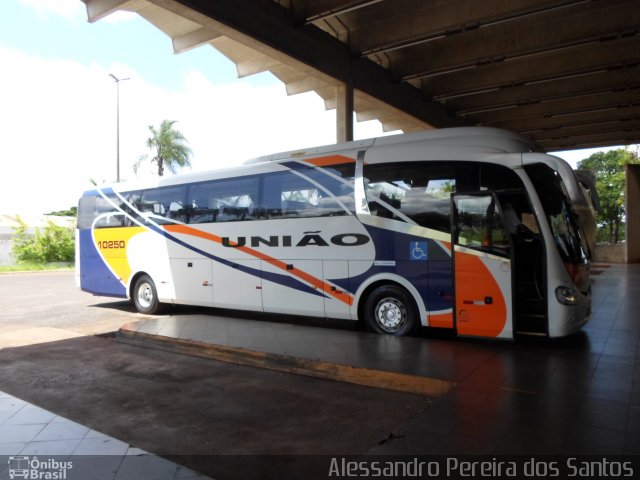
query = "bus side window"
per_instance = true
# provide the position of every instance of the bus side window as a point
(201, 207)
(108, 215)
(411, 192)
(272, 195)
(235, 198)
(286, 195)
(480, 225)
(162, 203)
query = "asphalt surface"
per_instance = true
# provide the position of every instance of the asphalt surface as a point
(182, 407)
(51, 299)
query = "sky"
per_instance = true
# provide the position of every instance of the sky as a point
(58, 104)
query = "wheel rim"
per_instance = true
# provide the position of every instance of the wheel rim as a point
(391, 315)
(145, 295)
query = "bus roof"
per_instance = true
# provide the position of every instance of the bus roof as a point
(453, 141)
(493, 140)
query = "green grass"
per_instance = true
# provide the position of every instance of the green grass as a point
(35, 267)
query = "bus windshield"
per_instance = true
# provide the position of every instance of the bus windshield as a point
(559, 211)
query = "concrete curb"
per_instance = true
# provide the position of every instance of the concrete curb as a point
(431, 387)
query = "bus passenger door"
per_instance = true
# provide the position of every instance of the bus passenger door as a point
(482, 267)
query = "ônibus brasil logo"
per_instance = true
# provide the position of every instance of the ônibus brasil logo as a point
(21, 466)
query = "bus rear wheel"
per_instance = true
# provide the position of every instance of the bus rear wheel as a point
(390, 309)
(145, 296)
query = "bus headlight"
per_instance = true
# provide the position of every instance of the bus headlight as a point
(567, 296)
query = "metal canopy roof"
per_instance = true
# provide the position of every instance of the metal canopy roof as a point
(565, 73)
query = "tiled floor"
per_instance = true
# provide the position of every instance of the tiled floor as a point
(30, 431)
(577, 395)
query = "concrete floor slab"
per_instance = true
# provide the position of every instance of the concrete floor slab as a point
(575, 394)
(578, 395)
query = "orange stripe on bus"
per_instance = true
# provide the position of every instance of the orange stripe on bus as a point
(329, 160)
(474, 282)
(193, 232)
(441, 320)
(316, 282)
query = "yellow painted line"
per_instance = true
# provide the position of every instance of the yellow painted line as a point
(519, 390)
(401, 382)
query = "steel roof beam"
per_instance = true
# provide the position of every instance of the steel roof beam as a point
(591, 103)
(507, 42)
(303, 85)
(197, 38)
(340, 10)
(606, 56)
(535, 92)
(610, 126)
(256, 65)
(272, 26)
(419, 26)
(530, 126)
(590, 140)
(98, 9)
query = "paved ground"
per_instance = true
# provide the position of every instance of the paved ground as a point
(172, 404)
(50, 300)
(578, 395)
(152, 398)
(572, 396)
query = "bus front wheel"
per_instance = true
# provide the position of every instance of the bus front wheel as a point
(390, 309)
(145, 296)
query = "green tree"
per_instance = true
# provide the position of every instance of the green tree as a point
(71, 212)
(609, 168)
(170, 147)
(51, 244)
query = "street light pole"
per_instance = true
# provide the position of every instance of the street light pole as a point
(117, 80)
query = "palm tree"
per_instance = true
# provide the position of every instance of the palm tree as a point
(170, 147)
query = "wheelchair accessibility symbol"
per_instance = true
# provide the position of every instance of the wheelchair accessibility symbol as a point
(418, 250)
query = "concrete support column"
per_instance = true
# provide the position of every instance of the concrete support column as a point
(344, 112)
(633, 213)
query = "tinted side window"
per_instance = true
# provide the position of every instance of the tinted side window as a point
(343, 190)
(86, 211)
(226, 200)
(201, 204)
(496, 177)
(107, 214)
(287, 195)
(480, 224)
(161, 205)
(417, 191)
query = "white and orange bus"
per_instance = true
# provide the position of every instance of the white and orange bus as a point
(469, 229)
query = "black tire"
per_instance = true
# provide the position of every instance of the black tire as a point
(390, 309)
(145, 296)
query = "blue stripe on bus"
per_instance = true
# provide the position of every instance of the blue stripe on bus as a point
(432, 278)
(95, 275)
(102, 280)
(284, 280)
